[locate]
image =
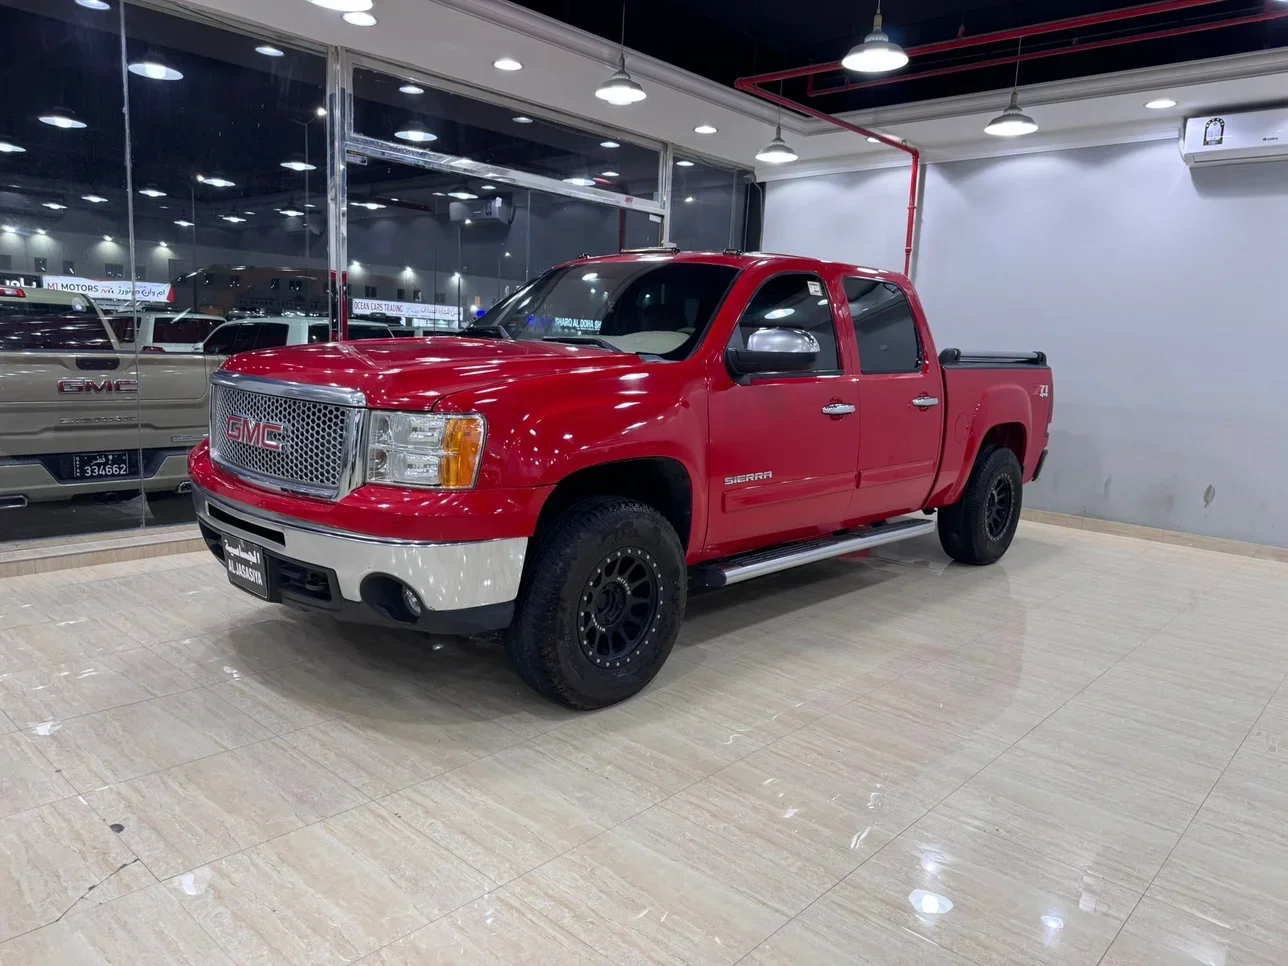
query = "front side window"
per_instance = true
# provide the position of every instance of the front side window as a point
(794, 300)
(884, 326)
(223, 339)
(637, 306)
(359, 330)
(269, 335)
(182, 329)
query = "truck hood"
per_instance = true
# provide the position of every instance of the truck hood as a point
(414, 374)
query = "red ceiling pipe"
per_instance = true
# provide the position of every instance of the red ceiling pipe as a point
(1040, 54)
(748, 84)
(1018, 33)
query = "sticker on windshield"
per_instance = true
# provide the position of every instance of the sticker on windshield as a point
(815, 288)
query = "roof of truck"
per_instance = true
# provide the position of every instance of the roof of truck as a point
(731, 257)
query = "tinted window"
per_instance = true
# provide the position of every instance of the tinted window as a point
(221, 341)
(268, 335)
(182, 328)
(884, 327)
(123, 326)
(321, 332)
(636, 306)
(794, 301)
(67, 333)
(358, 330)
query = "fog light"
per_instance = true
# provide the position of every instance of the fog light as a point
(411, 601)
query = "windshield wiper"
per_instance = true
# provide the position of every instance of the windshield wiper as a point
(583, 340)
(494, 329)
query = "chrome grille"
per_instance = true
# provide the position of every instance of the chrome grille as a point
(317, 443)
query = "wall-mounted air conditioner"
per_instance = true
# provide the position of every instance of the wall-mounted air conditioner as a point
(484, 209)
(1235, 138)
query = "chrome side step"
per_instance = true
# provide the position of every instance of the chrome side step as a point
(734, 570)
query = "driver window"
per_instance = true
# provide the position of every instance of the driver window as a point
(794, 300)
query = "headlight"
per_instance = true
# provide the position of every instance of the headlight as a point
(423, 449)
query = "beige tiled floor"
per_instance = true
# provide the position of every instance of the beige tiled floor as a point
(1078, 756)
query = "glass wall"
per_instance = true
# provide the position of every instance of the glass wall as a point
(164, 204)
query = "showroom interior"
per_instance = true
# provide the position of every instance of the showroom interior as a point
(1074, 755)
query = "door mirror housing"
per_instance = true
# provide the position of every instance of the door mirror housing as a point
(774, 350)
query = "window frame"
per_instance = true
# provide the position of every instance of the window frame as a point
(912, 317)
(836, 332)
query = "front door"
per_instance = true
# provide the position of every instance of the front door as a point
(783, 447)
(901, 412)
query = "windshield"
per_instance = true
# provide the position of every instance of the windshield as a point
(638, 306)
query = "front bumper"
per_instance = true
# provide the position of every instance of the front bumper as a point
(465, 587)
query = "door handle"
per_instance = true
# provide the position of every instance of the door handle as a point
(838, 409)
(925, 402)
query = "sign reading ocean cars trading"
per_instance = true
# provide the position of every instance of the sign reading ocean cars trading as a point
(408, 310)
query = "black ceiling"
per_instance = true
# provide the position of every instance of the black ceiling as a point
(726, 39)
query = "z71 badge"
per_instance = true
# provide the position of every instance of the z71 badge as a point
(748, 478)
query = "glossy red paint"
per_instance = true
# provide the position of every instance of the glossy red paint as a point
(764, 463)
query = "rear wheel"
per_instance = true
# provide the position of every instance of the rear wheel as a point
(601, 603)
(979, 527)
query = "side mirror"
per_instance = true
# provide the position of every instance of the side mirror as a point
(774, 350)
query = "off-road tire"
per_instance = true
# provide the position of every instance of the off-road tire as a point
(971, 530)
(552, 630)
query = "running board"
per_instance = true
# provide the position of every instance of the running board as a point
(734, 570)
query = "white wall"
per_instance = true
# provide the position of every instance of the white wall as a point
(1158, 293)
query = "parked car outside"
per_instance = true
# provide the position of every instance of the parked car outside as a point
(163, 331)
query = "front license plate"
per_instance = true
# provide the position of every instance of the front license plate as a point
(100, 466)
(246, 566)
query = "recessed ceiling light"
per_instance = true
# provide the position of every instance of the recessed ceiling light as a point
(53, 206)
(522, 119)
(107, 238)
(9, 229)
(609, 144)
(248, 212)
(344, 6)
(94, 199)
(152, 191)
(610, 174)
(369, 205)
(462, 195)
(415, 132)
(183, 224)
(580, 182)
(154, 67)
(93, 4)
(234, 219)
(299, 164)
(310, 205)
(507, 63)
(8, 147)
(489, 187)
(872, 140)
(61, 117)
(269, 51)
(292, 213)
(468, 221)
(1160, 104)
(412, 89)
(684, 164)
(689, 200)
(439, 194)
(41, 231)
(360, 18)
(704, 129)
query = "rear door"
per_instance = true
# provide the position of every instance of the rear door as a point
(783, 446)
(901, 414)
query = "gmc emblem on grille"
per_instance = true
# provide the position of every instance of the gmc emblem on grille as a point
(243, 429)
(69, 387)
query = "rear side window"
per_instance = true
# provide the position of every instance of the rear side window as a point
(221, 341)
(360, 331)
(267, 335)
(67, 332)
(795, 300)
(884, 327)
(123, 326)
(320, 332)
(183, 329)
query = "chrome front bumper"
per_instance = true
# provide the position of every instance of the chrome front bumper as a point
(446, 576)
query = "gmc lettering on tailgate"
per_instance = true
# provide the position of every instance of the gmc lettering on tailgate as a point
(72, 387)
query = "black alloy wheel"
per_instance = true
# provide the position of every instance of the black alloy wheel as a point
(619, 606)
(998, 507)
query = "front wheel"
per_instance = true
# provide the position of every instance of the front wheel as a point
(979, 527)
(601, 603)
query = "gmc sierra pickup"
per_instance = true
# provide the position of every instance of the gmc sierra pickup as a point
(620, 429)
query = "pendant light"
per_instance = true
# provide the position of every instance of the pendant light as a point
(154, 67)
(1012, 122)
(415, 132)
(777, 151)
(64, 118)
(620, 89)
(878, 54)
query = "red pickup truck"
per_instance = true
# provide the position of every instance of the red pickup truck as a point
(619, 430)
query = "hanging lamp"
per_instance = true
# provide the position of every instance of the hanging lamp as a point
(621, 89)
(1012, 122)
(878, 54)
